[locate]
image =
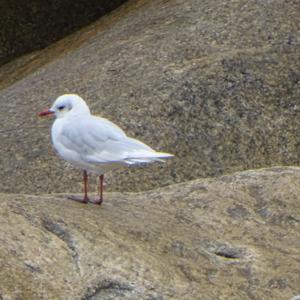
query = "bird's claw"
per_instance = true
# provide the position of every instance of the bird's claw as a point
(79, 199)
(86, 200)
(96, 201)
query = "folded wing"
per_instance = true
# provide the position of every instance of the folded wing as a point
(99, 141)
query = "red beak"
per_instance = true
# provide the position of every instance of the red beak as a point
(45, 113)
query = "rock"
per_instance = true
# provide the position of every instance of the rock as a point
(31, 25)
(176, 242)
(214, 82)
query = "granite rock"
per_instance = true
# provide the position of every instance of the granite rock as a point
(214, 82)
(232, 237)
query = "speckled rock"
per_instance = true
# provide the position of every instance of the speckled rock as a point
(31, 25)
(233, 237)
(214, 82)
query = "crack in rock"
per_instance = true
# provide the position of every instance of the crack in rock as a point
(107, 289)
(32, 267)
(229, 252)
(63, 234)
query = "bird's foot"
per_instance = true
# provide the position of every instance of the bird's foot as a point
(79, 199)
(96, 200)
(93, 200)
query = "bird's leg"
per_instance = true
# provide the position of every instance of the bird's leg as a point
(85, 190)
(101, 187)
(101, 178)
(85, 185)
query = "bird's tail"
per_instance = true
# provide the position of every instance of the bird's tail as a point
(148, 157)
(163, 155)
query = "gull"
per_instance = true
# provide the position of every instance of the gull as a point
(94, 144)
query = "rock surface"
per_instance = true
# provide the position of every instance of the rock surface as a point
(233, 237)
(31, 25)
(214, 82)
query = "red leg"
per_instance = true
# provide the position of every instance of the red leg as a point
(85, 187)
(99, 199)
(85, 184)
(101, 177)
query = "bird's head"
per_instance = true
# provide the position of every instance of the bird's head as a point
(66, 104)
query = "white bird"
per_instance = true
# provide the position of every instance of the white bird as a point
(94, 144)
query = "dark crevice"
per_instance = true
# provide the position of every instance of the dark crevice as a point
(111, 286)
(230, 252)
(226, 254)
(32, 25)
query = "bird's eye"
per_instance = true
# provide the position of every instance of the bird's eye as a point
(61, 107)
